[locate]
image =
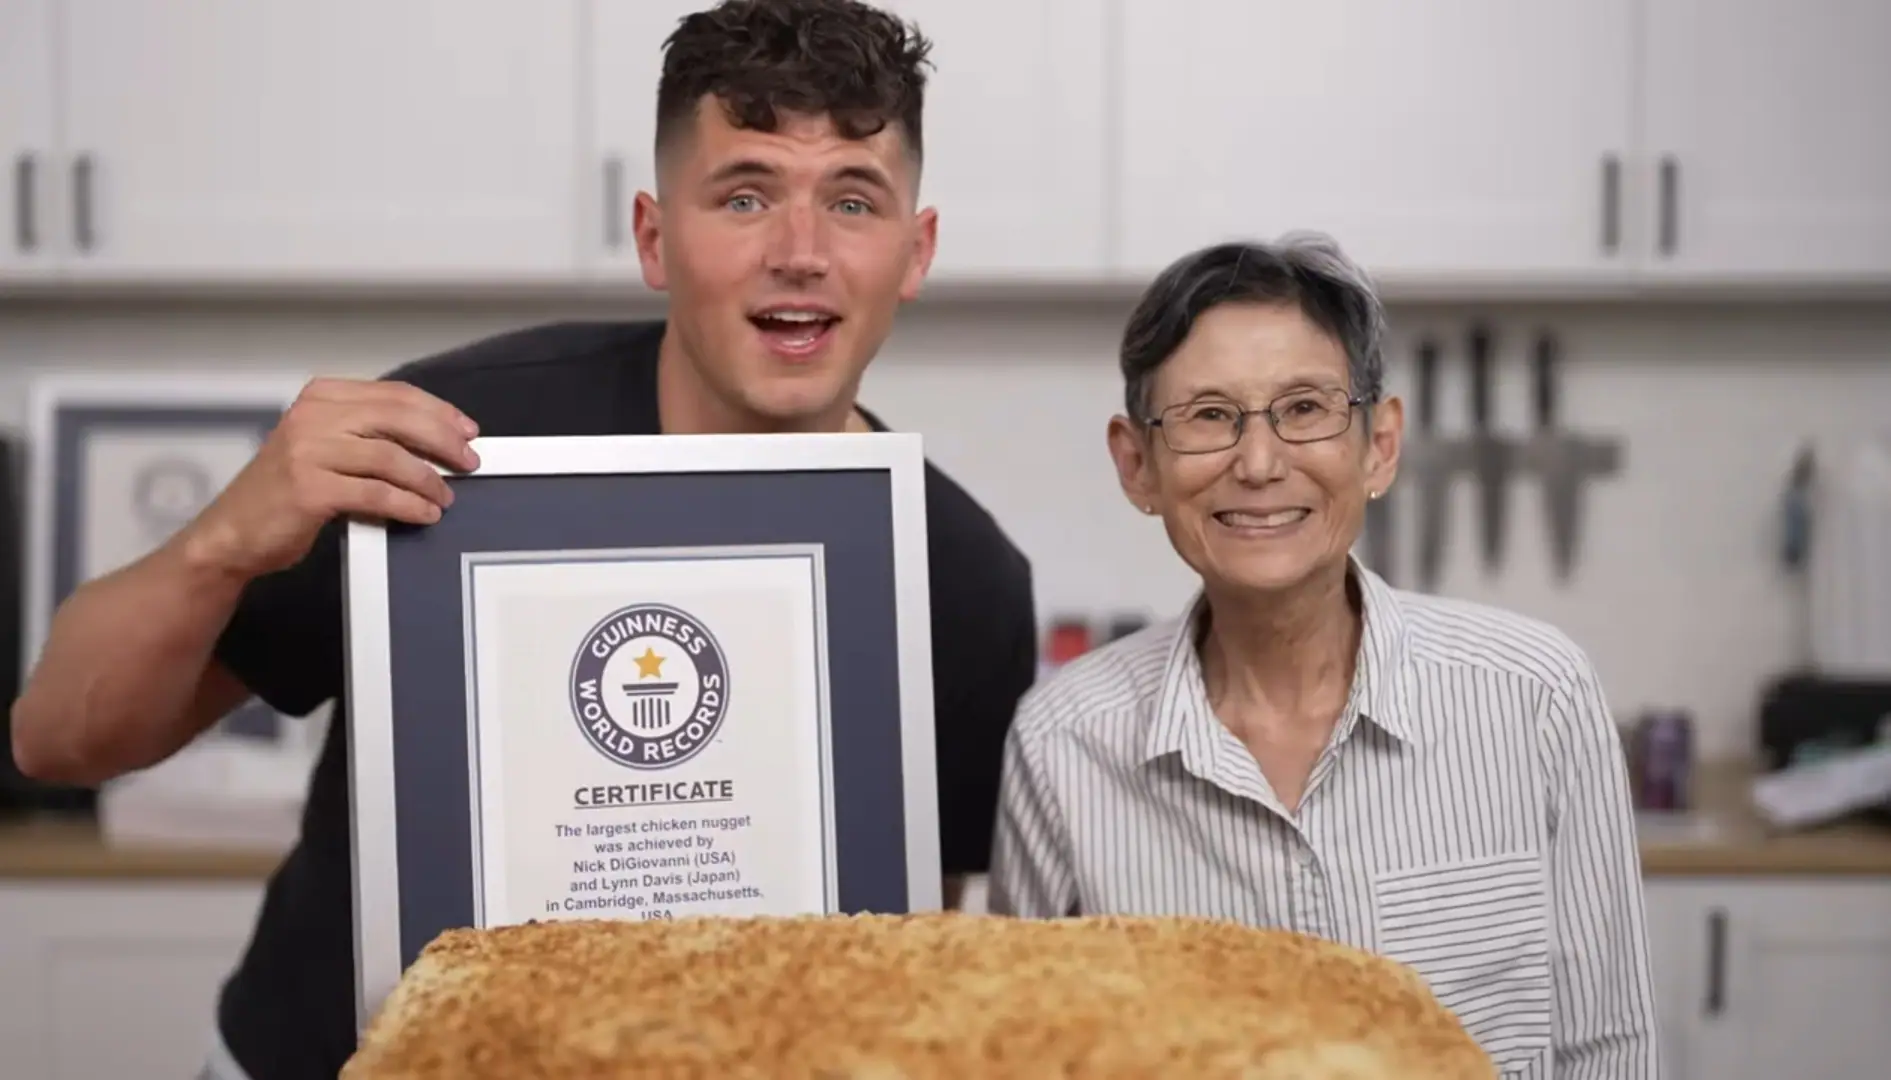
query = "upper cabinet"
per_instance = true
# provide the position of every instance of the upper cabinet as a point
(1016, 152)
(1483, 138)
(1767, 147)
(1490, 143)
(624, 59)
(27, 125)
(344, 141)
(1453, 148)
(1014, 134)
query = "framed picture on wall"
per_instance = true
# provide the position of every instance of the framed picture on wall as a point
(116, 463)
(643, 677)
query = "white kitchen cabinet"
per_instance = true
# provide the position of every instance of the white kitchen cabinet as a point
(1018, 164)
(624, 57)
(1762, 978)
(350, 141)
(1480, 139)
(1675, 939)
(1014, 134)
(114, 978)
(26, 137)
(1767, 152)
(1458, 148)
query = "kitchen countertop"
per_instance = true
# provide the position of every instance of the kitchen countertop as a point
(73, 849)
(1723, 838)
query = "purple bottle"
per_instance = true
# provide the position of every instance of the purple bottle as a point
(1668, 748)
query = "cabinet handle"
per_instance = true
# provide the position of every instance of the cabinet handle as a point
(24, 216)
(1716, 1002)
(1611, 204)
(1670, 205)
(613, 202)
(82, 202)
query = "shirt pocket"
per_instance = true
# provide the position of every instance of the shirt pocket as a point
(1478, 933)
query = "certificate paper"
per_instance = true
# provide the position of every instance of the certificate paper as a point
(649, 732)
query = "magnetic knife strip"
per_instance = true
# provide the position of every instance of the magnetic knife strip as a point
(1430, 464)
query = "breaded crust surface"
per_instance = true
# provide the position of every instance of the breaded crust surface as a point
(942, 996)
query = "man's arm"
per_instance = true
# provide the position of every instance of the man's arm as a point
(138, 662)
(1603, 985)
(1030, 866)
(134, 643)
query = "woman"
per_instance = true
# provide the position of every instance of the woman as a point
(1306, 747)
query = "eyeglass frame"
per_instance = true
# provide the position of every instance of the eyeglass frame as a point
(1353, 401)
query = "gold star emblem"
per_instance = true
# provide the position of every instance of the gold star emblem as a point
(649, 665)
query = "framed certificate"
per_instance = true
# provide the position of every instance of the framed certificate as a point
(643, 677)
(118, 462)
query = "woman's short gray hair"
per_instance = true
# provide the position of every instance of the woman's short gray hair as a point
(1304, 269)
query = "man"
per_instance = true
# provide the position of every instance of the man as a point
(786, 234)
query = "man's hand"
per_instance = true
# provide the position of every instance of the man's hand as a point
(346, 447)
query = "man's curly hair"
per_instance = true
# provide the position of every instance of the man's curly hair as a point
(858, 65)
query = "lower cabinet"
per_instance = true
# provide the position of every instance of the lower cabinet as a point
(1762, 978)
(107, 979)
(1756, 978)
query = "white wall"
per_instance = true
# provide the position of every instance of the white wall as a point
(1676, 595)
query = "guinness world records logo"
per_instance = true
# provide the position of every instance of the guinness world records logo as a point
(649, 686)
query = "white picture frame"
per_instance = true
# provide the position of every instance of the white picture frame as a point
(661, 485)
(202, 415)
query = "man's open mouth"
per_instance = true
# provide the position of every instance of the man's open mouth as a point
(795, 329)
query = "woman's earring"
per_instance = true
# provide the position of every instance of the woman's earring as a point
(1374, 494)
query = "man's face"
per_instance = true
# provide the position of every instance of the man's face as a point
(785, 255)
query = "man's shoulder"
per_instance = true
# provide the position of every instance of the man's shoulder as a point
(508, 381)
(974, 562)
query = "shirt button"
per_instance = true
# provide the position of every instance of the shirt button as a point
(1306, 858)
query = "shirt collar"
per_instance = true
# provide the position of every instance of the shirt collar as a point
(1183, 722)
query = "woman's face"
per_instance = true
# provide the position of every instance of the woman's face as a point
(1265, 514)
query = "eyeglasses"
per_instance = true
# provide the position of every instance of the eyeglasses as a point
(1303, 416)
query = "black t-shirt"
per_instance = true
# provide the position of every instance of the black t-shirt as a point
(288, 1011)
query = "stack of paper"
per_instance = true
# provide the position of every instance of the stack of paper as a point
(228, 793)
(1826, 790)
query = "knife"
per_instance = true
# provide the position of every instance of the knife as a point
(1490, 455)
(1381, 538)
(1566, 459)
(1380, 549)
(1559, 480)
(1434, 475)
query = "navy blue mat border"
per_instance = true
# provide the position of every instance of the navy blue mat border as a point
(849, 512)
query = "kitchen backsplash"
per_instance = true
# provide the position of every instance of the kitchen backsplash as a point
(1676, 590)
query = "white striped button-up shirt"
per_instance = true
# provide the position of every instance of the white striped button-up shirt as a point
(1470, 817)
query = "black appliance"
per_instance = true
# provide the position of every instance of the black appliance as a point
(18, 794)
(1805, 717)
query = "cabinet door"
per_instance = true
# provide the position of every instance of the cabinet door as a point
(625, 54)
(115, 978)
(27, 145)
(1677, 921)
(361, 141)
(1017, 162)
(1798, 983)
(1013, 133)
(1464, 140)
(1768, 150)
